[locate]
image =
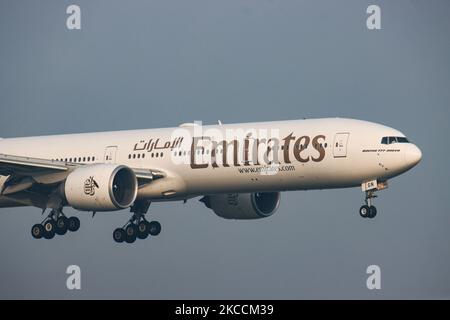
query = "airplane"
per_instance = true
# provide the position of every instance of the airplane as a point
(238, 170)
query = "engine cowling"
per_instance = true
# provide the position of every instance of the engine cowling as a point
(101, 187)
(243, 205)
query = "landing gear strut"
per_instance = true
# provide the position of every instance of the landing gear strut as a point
(368, 210)
(56, 223)
(137, 227)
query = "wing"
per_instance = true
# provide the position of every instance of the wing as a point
(23, 172)
(25, 178)
(24, 165)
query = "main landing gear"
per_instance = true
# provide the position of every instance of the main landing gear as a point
(56, 223)
(137, 227)
(368, 210)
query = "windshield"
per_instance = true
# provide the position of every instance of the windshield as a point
(390, 140)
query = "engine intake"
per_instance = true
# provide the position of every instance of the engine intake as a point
(101, 187)
(243, 205)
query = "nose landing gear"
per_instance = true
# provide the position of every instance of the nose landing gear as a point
(370, 187)
(368, 210)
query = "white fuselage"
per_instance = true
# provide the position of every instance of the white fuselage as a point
(311, 154)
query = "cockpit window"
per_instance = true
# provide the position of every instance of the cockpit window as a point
(402, 140)
(389, 140)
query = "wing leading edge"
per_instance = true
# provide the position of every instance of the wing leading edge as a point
(23, 173)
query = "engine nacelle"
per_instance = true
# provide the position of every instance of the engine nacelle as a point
(243, 205)
(101, 187)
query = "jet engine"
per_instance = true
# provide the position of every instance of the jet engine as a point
(100, 187)
(243, 205)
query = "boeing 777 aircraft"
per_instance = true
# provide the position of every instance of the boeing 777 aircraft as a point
(238, 170)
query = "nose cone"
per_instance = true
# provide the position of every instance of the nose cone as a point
(413, 156)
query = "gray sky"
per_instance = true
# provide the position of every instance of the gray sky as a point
(145, 64)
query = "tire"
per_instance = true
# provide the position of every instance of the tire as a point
(61, 225)
(49, 229)
(119, 235)
(372, 212)
(154, 228)
(142, 229)
(130, 233)
(73, 224)
(364, 211)
(37, 231)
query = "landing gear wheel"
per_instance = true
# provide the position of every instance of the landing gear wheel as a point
(49, 229)
(131, 233)
(73, 224)
(154, 228)
(142, 229)
(37, 231)
(61, 225)
(364, 211)
(372, 212)
(119, 235)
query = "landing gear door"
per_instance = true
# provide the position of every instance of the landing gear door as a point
(110, 154)
(340, 145)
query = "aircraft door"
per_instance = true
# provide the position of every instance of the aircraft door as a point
(110, 154)
(340, 145)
